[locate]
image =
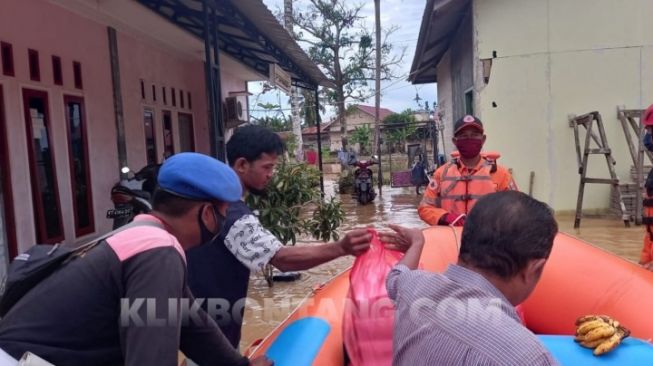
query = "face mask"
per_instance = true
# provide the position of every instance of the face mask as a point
(469, 148)
(206, 235)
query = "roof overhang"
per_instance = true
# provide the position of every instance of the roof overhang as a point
(248, 32)
(440, 23)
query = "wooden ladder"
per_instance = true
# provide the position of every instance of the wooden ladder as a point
(634, 132)
(588, 121)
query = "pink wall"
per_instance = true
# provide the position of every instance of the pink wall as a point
(159, 67)
(53, 30)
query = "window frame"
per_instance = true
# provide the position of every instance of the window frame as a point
(192, 130)
(7, 59)
(80, 231)
(57, 72)
(39, 209)
(166, 113)
(154, 139)
(33, 64)
(78, 79)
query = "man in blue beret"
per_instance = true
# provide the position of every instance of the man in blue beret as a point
(221, 270)
(126, 301)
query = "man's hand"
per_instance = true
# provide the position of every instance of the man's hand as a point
(355, 242)
(648, 266)
(261, 361)
(402, 238)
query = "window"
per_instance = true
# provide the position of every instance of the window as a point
(186, 132)
(7, 55)
(165, 97)
(6, 201)
(168, 138)
(181, 99)
(153, 92)
(34, 69)
(150, 136)
(79, 165)
(190, 104)
(77, 75)
(45, 193)
(142, 90)
(174, 97)
(56, 70)
(469, 102)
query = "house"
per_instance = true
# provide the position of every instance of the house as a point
(524, 66)
(309, 135)
(357, 115)
(87, 87)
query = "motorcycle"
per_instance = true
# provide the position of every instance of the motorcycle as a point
(132, 196)
(363, 181)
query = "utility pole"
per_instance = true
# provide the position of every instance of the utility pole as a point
(294, 93)
(377, 129)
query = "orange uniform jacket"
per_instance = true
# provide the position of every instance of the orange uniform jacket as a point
(429, 209)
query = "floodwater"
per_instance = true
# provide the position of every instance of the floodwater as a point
(267, 307)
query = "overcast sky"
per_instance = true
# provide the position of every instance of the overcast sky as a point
(395, 95)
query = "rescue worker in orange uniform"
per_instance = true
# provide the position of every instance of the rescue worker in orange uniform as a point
(646, 257)
(457, 185)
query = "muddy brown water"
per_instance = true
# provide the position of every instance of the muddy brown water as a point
(267, 307)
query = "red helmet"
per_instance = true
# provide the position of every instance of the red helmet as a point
(647, 117)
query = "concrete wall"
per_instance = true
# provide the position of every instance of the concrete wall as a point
(53, 30)
(555, 58)
(462, 62)
(445, 100)
(159, 68)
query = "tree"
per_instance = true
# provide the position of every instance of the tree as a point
(278, 122)
(405, 128)
(362, 135)
(293, 205)
(340, 44)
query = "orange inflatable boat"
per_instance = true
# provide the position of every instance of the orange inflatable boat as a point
(579, 279)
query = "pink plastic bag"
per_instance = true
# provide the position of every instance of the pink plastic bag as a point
(369, 313)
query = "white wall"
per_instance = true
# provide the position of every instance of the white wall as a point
(445, 100)
(555, 58)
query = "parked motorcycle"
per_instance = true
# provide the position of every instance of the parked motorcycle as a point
(363, 181)
(132, 196)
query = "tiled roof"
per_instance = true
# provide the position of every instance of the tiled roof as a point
(383, 112)
(313, 130)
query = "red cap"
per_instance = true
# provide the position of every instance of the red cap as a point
(467, 121)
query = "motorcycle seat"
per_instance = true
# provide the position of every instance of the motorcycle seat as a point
(135, 192)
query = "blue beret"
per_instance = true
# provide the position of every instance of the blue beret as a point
(200, 177)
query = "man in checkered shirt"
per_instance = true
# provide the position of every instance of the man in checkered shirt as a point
(466, 315)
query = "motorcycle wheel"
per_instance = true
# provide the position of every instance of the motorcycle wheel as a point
(364, 197)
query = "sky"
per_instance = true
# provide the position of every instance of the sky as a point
(396, 95)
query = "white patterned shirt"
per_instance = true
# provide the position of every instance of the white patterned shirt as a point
(252, 244)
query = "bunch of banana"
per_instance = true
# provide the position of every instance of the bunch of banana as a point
(599, 332)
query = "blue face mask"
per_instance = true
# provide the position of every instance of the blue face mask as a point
(205, 234)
